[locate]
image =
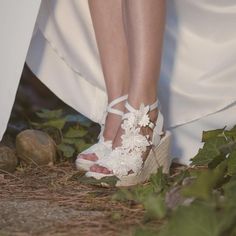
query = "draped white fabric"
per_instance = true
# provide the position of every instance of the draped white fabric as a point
(17, 19)
(198, 67)
(198, 57)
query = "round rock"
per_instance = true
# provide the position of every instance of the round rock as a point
(8, 159)
(35, 147)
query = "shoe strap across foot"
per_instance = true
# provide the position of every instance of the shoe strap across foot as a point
(151, 107)
(110, 106)
(112, 110)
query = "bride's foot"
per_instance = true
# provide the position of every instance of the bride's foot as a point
(111, 122)
(138, 134)
(117, 141)
(111, 126)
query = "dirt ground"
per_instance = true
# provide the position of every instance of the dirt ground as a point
(49, 201)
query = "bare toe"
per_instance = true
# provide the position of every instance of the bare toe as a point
(105, 170)
(99, 169)
(90, 156)
(94, 168)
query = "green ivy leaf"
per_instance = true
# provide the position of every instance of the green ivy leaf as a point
(80, 144)
(136, 193)
(155, 206)
(197, 219)
(209, 151)
(49, 114)
(84, 146)
(109, 181)
(228, 147)
(230, 189)
(70, 140)
(145, 232)
(231, 133)
(35, 124)
(123, 195)
(75, 133)
(56, 123)
(141, 192)
(234, 128)
(67, 150)
(216, 161)
(228, 211)
(227, 223)
(232, 163)
(159, 180)
(210, 134)
(206, 182)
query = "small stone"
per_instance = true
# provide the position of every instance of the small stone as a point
(35, 147)
(8, 159)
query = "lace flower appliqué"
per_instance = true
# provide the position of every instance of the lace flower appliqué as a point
(128, 156)
(142, 115)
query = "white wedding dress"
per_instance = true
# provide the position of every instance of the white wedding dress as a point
(197, 83)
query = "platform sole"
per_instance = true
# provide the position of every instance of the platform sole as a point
(159, 156)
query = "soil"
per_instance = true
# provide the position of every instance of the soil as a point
(49, 201)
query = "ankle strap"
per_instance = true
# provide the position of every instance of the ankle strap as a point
(151, 107)
(110, 108)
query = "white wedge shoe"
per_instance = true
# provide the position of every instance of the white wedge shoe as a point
(101, 148)
(126, 161)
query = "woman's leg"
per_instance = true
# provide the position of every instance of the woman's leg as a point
(112, 45)
(144, 27)
(144, 24)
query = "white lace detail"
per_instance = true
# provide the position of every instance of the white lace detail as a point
(128, 156)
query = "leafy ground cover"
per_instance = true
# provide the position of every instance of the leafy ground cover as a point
(195, 201)
(59, 200)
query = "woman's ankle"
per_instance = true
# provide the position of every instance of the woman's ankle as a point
(153, 115)
(111, 126)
